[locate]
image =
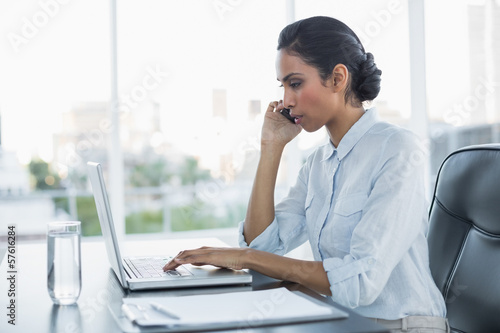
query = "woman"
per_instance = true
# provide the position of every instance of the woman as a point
(359, 199)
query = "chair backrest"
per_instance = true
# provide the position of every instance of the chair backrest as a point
(464, 237)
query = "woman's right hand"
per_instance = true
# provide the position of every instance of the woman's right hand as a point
(277, 130)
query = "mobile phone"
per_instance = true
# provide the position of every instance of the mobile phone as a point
(286, 113)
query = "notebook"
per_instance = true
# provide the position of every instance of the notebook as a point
(243, 310)
(145, 272)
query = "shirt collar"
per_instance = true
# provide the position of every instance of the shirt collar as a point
(353, 135)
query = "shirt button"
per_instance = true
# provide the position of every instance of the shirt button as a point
(371, 261)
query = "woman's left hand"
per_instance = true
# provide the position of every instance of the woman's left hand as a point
(220, 257)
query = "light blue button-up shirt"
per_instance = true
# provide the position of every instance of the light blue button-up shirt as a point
(362, 207)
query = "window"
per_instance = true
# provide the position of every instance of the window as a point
(55, 80)
(462, 76)
(194, 78)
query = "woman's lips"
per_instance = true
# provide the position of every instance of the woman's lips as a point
(298, 119)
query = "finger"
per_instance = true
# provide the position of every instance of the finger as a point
(210, 258)
(172, 264)
(196, 252)
(199, 258)
(196, 260)
(280, 105)
(272, 106)
(179, 259)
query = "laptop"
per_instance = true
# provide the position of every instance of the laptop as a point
(140, 272)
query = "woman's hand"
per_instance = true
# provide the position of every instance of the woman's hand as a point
(221, 257)
(278, 130)
(308, 273)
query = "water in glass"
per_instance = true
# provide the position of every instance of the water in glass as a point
(63, 264)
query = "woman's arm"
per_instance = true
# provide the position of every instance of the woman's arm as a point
(277, 131)
(260, 211)
(307, 273)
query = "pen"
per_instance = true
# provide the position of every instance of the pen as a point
(133, 315)
(130, 315)
(160, 308)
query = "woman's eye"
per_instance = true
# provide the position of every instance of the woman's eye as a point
(292, 84)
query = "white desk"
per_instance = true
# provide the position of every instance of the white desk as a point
(100, 288)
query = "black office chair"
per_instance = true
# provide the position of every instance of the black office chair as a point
(464, 238)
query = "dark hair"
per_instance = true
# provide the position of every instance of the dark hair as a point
(323, 42)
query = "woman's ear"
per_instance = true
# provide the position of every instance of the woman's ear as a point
(340, 77)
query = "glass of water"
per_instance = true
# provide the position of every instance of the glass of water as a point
(64, 274)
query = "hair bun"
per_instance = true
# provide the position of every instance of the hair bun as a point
(368, 79)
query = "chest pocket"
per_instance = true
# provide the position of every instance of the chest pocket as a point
(346, 214)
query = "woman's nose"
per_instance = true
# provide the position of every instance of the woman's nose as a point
(288, 100)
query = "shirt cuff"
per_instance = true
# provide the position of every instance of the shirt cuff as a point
(345, 276)
(267, 241)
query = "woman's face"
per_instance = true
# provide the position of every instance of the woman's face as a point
(311, 101)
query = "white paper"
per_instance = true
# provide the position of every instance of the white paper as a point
(248, 309)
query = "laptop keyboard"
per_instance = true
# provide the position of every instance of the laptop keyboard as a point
(153, 267)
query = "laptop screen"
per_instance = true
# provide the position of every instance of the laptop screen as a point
(106, 220)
